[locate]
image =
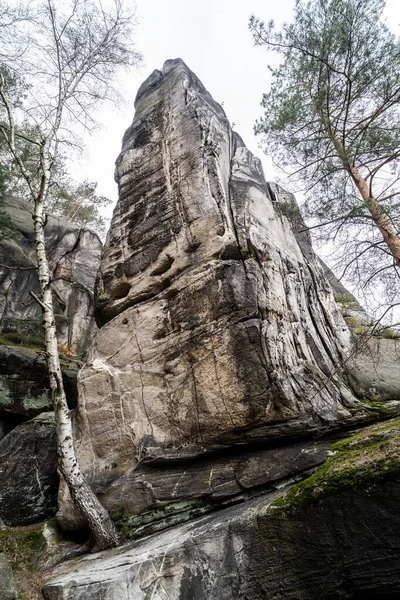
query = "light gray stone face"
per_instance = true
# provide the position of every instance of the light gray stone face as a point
(344, 547)
(74, 256)
(374, 369)
(7, 588)
(219, 329)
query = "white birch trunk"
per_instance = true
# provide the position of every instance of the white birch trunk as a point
(103, 533)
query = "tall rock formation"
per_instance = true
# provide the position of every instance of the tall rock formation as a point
(219, 329)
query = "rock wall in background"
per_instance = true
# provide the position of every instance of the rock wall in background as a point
(28, 457)
(74, 256)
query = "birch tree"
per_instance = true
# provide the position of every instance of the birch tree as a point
(67, 53)
(332, 122)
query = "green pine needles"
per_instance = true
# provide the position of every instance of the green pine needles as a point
(332, 122)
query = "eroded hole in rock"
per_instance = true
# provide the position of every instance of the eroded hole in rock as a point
(193, 247)
(163, 266)
(120, 291)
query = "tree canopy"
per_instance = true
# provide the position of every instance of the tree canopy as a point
(332, 121)
(28, 74)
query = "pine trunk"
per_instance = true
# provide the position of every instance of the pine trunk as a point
(389, 234)
(103, 533)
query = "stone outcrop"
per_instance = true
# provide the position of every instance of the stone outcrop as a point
(28, 465)
(334, 535)
(218, 327)
(7, 588)
(244, 554)
(24, 382)
(74, 255)
(28, 453)
(373, 369)
(28, 472)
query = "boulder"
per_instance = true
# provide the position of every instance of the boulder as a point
(7, 588)
(28, 450)
(219, 329)
(373, 369)
(74, 255)
(28, 472)
(24, 382)
(334, 535)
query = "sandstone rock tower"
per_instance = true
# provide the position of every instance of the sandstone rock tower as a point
(218, 328)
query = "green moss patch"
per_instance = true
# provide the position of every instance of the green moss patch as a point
(23, 548)
(382, 409)
(19, 339)
(347, 301)
(173, 513)
(363, 460)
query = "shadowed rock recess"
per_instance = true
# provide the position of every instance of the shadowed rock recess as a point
(221, 350)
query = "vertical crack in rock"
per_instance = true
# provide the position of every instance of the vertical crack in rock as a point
(142, 386)
(215, 312)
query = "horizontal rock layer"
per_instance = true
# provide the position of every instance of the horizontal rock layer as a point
(344, 547)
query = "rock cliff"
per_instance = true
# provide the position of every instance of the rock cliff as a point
(220, 334)
(28, 458)
(74, 256)
(28, 453)
(334, 535)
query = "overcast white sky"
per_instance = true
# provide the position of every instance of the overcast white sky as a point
(212, 37)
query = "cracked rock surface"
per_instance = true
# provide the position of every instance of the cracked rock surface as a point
(28, 472)
(343, 547)
(218, 327)
(74, 256)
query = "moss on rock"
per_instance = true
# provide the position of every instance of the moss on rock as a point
(168, 515)
(360, 461)
(23, 548)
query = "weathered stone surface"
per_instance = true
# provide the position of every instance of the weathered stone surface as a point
(24, 381)
(345, 547)
(219, 327)
(188, 489)
(333, 535)
(28, 457)
(7, 588)
(74, 255)
(374, 369)
(28, 472)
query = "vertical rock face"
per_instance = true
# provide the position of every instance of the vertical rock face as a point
(218, 326)
(74, 256)
(28, 472)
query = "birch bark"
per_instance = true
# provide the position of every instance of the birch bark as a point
(103, 533)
